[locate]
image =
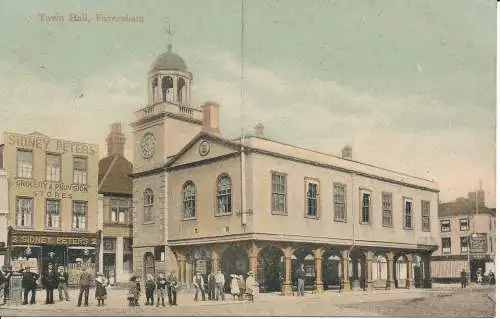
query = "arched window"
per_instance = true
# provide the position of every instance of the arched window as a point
(148, 205)
(180, 90)
(167, 89)
(154, 87)
(224, 198)
(189, 200)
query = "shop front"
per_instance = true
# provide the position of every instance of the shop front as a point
(37, 249)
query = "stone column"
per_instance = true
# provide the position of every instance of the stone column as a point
(345, 270)
(369, 268)
(427, 270)
(253, 253)
(390, 270)
(215, 260)
(119, 259)
(318, 258)
(159, 90)
(409, 271)
(181, 264)
(287, 285)
(174, 96)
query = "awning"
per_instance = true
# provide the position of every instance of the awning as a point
(81, 247)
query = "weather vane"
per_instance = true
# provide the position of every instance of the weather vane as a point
(168, 30)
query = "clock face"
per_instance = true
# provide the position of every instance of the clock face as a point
(148, 145)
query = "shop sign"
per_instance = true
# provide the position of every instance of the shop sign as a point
(52, 240)
(43, 188)
(45, 144)
(478, 243)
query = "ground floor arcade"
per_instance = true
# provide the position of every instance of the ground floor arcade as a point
(327, 266)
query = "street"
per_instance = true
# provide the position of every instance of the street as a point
(434, 302)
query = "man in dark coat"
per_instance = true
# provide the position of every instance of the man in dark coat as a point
(49, 281)
(463, 278)
(211, 286)
(29, 285)
(85, 281)
(5, 275)
(172, 289)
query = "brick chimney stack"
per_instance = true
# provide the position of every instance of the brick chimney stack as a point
(116, 140)
(211, 117)
(347, 152)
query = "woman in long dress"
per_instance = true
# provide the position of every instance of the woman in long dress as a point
(100, 289)
(133, 291)
(235, 288)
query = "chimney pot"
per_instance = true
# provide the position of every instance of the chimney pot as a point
(211, 117)
(259, 130)
(347, 152)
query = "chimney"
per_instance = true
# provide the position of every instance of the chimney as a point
(347, 152)
(211, 117)
(259, 130)
(116, 140)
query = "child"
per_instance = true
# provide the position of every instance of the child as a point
(100, 289)
(150, 289)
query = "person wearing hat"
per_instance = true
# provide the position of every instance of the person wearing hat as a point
(161, 287)
(250, 285)
(211, 286)
(133, 291)
(199, 285)
(100, 289)
(85, 280)
(5, 275)
(241, 285)
(28, 284)
(49, 281)
(172, 288)
(62, 283)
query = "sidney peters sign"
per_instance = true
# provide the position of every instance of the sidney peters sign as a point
(50, 189)
(54, 240)
(45, 143)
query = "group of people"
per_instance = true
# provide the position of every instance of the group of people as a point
(239, 288)
(480, 278)
(161, 285)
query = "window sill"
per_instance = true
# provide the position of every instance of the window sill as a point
(148, 222)
(189, 218)
(223, 215)
(311, 217)
(79, 230)
(426, 231)
(387, 226)
(24, 227)
(365, 223)
(52, 228)
(447, 253)
(338, 220)
(279, 213)
(408, 228)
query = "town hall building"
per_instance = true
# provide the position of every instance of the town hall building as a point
(203, 202)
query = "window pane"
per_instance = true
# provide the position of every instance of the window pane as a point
(79, 170)
(79, 215)
(24, 212)
(24, 164)
(53, 170)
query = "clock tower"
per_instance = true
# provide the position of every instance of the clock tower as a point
(161, 129)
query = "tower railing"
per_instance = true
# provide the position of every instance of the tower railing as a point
(166, 107)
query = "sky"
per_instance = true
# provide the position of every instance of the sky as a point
(410, 85)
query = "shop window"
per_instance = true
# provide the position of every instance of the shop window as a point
(109, 245)
(53, 169)
(79, 170)
(24, 212)
(52, 213)
(24, 164)
(79, 215)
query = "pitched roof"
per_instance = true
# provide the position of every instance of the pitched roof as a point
(463, 206)
(114, 175)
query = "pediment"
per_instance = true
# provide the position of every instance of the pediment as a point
(204, 147)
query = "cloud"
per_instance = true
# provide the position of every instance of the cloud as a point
(418, 135)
